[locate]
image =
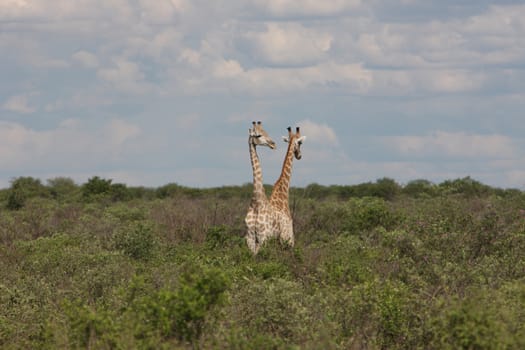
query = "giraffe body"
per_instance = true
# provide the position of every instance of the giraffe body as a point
(260, 217)
(264, 222)
(279, 200)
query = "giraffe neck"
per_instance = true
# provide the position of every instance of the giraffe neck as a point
(258, 189)
(279, 197)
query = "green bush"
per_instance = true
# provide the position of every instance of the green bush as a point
(420, 188)
(95, 187)
(348, 262)
(484, 320)
(22, 189)
(248, 341)
(465, 186)
(384, 188)
(181, 313)
(222, 237)
(357, 215)
(316, 191)
(169, 190)
(379, 314)
(274, 307)
(120, 192)
(367, 213)
(271, 269)
(136, 240)
(126, 213)
(89, 328)
(62, 188)
(327, 218)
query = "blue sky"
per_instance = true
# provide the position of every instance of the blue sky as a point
(152, 92)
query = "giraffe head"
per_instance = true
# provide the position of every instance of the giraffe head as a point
(295, 140)
(259, 137)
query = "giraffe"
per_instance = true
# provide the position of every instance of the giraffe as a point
(259, 217)
(279, 196)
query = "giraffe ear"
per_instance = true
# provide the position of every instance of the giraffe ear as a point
(301, 139)
(285, 139)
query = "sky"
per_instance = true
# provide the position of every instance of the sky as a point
(148, 93)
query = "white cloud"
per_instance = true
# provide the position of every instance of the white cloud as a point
(227, 69)
(65, 10)
(191, 57)
(318, 133)
(119, 131)
(455, 81)
(306, 7)
(86, 59)
(161, 11)
(387, 46)
(289, 44)
(498, 20)
(453, 144)
(18, 104)
(15, 8)
(403, 82)
(125, 76)
(163, 45)
(70, 145)
(458, 50)
(350, 77)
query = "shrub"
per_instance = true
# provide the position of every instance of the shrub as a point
(348, 262)
(89, 328)
(182, 312)
(62, 188)
(247, 340)
(96, 186)
(386, 188)
(222, 237)
(472, 323)
(327, 218)
(275, 307)
(367, 213)
(419, 188)
(120, 192)
(316, 191)
(136, 240)
(378, 313)
(465, 186)
(36, 218)
(126, 214)
(22, 189)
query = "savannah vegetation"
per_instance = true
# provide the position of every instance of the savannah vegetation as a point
(377, 265)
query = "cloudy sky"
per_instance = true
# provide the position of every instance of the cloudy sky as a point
(153, 92)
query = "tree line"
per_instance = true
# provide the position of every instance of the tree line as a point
(101, 189)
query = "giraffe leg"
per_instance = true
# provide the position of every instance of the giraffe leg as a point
(287, 235)
(251, 240)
